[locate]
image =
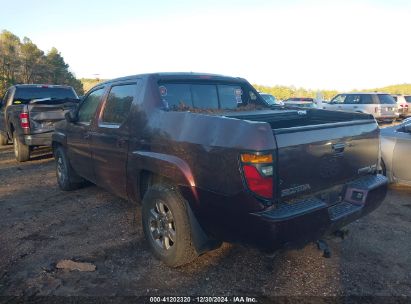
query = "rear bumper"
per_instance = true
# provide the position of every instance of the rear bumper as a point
(311, 218)
(387, 117)
(41, 139)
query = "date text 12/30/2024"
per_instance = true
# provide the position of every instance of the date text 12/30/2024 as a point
(234, 299)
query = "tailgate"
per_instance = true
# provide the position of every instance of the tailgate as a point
(44, 116)
(315, 158)
(388, 109)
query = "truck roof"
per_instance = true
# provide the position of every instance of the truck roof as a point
(40, 85)
(177, 76)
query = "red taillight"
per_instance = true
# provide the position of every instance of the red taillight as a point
(24, 120)
(260, 185)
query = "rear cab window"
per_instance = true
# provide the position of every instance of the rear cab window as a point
(215, 96)
(24, 95)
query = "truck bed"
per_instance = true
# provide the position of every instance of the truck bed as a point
(319, 149)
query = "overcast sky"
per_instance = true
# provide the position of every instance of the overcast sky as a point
(313, 44)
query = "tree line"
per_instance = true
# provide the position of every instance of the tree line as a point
(22, 62)
(284, 92)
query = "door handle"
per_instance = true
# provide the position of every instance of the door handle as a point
(355, 107)
(86, 136)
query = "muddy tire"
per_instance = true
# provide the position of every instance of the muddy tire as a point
(3, 139)
(166, 226)
(67, 178)
(21, 150)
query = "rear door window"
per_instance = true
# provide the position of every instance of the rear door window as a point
(89, 106)
(118, 103)
(366, 99)
(386, 99)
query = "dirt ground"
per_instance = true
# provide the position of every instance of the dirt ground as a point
(41, 225)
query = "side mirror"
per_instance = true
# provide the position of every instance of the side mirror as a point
(71, 116)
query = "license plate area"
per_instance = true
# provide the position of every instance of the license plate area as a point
(356, 196)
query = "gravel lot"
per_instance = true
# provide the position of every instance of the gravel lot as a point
(41, 225)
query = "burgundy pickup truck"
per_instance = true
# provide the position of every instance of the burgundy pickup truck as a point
(210, 161)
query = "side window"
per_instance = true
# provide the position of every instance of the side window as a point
(366, 99)
(338, 99)
(352, 99)
(118, 103)
(89, 106)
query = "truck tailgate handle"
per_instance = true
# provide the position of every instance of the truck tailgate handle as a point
(338, 147)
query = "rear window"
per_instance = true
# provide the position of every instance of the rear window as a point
(206, 95)
(270, 99)
(300, 99)
(386, 99)
(24, 95)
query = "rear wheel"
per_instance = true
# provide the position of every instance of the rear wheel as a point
(21, 151)
(3, 139)
(166, 226)
(67, 178)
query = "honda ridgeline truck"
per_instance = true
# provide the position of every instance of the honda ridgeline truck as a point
(210, 161)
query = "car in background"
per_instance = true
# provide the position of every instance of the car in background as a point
(395, 152)
(381, 105)
(404, 104)
(270, 99)
(302, 102)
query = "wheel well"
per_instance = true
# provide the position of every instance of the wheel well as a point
(148, 178)
(11, 130)
(144, 181)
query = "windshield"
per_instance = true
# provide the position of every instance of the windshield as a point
(386, 99)
(270, 99)
(203, 95)
(29, 93)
